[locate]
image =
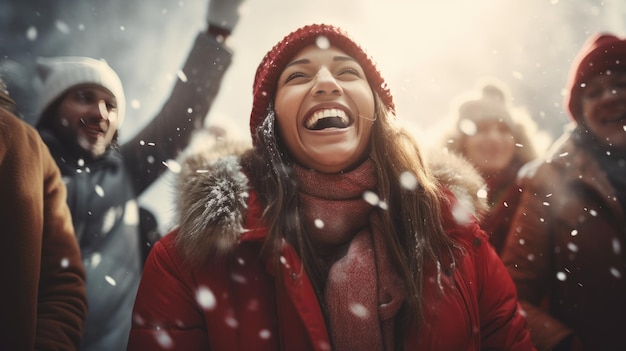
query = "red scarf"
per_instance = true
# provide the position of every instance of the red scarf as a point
(363, 292)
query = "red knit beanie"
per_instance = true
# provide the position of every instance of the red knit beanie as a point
(272, 65)
(600, 53)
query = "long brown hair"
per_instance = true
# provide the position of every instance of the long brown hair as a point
(413, 217)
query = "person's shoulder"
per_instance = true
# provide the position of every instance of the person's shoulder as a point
(14, 129)
(456, 175)
(9, 122)
(562, 156)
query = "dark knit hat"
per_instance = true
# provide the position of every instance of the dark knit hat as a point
(272, 65)
(600, 53)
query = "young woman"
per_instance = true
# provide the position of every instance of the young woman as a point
(494, 137)
(329, 233)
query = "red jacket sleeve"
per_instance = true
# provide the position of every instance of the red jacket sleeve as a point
(503, 327)
(166, 315)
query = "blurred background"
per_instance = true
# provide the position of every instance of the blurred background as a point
(428, 51)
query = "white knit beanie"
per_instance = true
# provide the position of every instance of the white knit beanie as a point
(58, 74)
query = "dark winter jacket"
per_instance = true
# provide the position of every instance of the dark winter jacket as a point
(102, 194)
(42, 300)
(235, 303)
(565, 251)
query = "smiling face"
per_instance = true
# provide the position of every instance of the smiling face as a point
(325, 109)
(490, 147)
(87, 114)
(603, 103)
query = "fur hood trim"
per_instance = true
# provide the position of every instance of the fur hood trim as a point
(211, 201)
(212, 196)
(458, 175)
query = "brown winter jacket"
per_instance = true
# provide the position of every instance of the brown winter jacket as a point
(42, 301)
(565, 251)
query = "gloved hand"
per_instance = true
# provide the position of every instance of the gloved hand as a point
(223, 14)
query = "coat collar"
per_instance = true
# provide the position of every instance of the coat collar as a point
(216, 208)
(582, 167)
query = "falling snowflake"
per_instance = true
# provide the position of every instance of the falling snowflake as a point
(238, 278)
(359, 310)
(65, 262)
(173, 166)
(319, 224)
(616, 273)
(99, 191)
(164, 339)
(617, 248)
(31, 33)
(561, 276)
(110, 280)
(62, 27)
(96, 258)
(232, 322)
(408, 180)
(265, 334)
(461, 216)
(371, 198)
(182, 76)
(468, 127)
(322, 42)
(482, 193)
(205, 298)
(572, 247)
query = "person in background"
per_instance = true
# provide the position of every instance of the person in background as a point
(331, 232)
(82, 107)
(494, 136)
(43, 302)
(565, 249)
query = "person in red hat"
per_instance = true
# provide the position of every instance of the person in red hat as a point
(330, 233)
(565, 249)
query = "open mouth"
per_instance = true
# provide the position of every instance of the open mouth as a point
(328, 118)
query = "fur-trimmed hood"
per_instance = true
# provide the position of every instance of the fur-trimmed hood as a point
(212, 195)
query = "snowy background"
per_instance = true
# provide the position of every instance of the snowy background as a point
(428, 51)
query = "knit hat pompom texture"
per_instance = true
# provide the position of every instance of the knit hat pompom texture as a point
(58, 74)
(272, 65)
(600, 53)
(491, 105)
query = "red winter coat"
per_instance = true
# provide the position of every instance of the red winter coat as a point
(236, 303)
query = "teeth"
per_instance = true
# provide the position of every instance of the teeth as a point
(331, 112)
